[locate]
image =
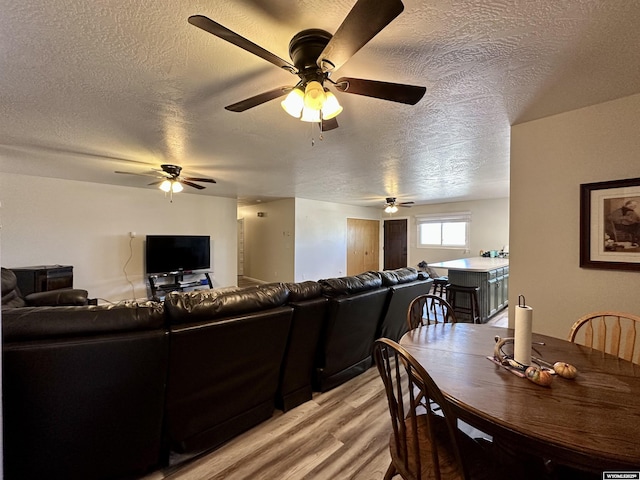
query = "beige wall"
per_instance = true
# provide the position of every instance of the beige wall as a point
(298, 239)
(550, 158)
(489, 229)
(269, 240)
(52, 221)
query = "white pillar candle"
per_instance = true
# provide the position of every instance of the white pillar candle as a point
(522, 341)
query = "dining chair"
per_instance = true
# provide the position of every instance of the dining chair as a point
(611, 332)
(424, 444)
(427, 309)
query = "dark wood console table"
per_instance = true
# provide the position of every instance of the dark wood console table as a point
(43, 278)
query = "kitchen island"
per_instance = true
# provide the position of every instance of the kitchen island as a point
(491, 275)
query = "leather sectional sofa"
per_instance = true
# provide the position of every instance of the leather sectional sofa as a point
(112, 391)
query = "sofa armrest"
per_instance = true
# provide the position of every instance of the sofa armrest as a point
(57, 298)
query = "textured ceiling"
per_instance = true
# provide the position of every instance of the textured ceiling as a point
(92, 86)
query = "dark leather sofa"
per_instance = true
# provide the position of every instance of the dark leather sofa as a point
(13, 298)
(83, 391)
(109, 392)
(404, 285)
(226, 351)
(309, 313)
(354, 311)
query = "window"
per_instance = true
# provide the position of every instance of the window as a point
(445, 230)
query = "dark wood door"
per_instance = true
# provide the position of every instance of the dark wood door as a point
(395, 244)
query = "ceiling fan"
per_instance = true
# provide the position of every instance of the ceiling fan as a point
(315, 55)
(391, 205)
(170, 180)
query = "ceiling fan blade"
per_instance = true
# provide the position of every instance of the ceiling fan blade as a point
(137, 174)
(365, 20)
(258, 99)
(224, 33)
(394, 92)
(330, 124)
(194, 185)
(197, 179)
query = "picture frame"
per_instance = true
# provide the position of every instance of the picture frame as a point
(610, 225)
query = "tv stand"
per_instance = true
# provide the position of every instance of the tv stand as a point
(161, 283)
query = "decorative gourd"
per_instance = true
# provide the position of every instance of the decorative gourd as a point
(539, 376)
(565, 370)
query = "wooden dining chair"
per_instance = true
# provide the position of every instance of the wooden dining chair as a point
(612, 332)
(424, 444)
(427, 309)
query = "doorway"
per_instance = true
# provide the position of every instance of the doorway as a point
(363, 245)
(395, 244)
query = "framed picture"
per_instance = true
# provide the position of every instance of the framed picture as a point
(610, 225)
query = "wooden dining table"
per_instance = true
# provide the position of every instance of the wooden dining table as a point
(591, 423)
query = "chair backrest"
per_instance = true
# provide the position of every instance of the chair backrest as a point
(616, 333)
(427, 309)
(424, 444)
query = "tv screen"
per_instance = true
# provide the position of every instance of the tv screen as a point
(173, 253)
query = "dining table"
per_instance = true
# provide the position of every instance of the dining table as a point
(590, 423)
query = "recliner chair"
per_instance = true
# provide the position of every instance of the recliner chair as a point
(13, 298)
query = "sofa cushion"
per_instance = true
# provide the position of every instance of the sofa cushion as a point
(389, 278)
(58, 298)
(349, 285)
(301, 291)
(406, 274)
(32, 323)
(190, 307)
(399, 275)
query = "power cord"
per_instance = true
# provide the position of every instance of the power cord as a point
(124, 268)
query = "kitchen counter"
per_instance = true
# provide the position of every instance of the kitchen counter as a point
(490, 275)
(473, 264)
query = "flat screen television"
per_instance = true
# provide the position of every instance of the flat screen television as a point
(174, 253)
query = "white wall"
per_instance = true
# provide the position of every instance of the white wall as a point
(550, 158)
(489, 229)
(321, 237)
(51, 221)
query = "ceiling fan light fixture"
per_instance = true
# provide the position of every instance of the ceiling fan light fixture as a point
(314, 96)
(310, 115)
(294, 102)
(165, 186)
(391, 209)
(331, 107)
(171, 186)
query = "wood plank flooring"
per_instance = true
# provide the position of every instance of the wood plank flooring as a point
(340, 434)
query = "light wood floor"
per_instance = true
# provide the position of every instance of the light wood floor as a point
(342, 434)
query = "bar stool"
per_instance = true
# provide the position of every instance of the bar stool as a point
(440, 286)
(464, 301)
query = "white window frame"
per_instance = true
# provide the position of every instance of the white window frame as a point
(454, 217)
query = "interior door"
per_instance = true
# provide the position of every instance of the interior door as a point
(363, 245)
(395, 244)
